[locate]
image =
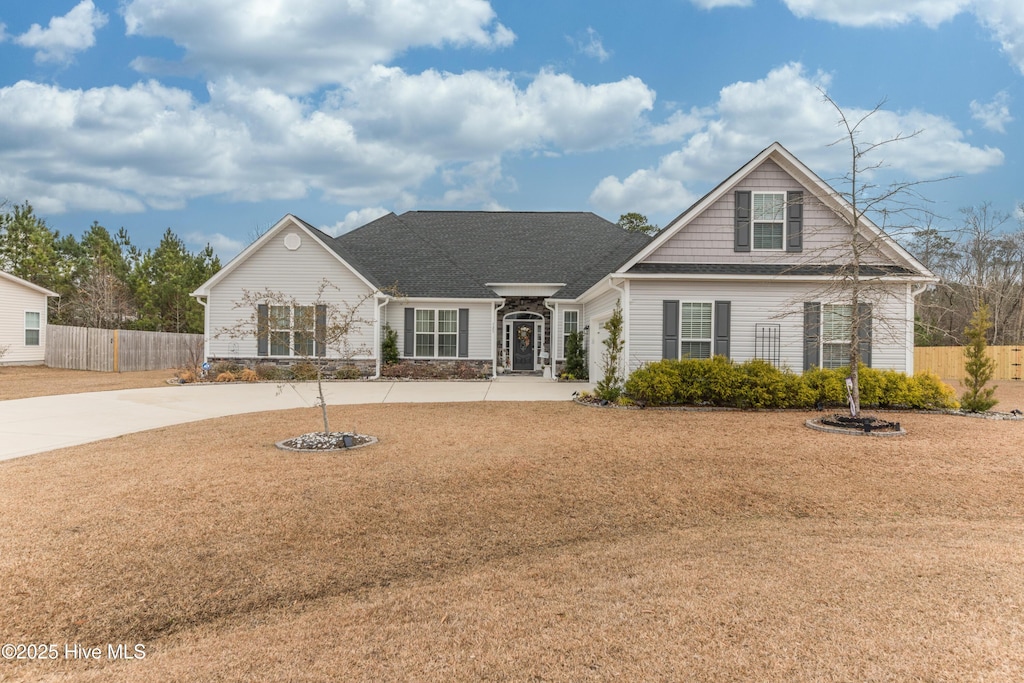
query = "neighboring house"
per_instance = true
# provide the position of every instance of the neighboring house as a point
(22, 321)
(752, 270)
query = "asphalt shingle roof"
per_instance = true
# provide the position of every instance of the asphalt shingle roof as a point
(456, 253)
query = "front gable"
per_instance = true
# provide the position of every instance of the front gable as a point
(772, 212)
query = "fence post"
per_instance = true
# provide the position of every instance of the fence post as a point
(117, 352)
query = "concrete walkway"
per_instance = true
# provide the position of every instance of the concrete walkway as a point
(34, 425)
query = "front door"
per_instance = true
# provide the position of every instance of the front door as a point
(522, 345)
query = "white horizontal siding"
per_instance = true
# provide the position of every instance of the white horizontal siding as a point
(764, 302)
(708, 237)
(296, 274)
(15, 301)
(481, 323)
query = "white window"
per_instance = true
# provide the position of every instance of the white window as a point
(437, 333)
(570, 324)
(292, 330)
(769, 220)
(836, 322)
(695, 330)
(32, 322)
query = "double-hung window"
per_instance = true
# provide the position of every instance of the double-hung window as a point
(695, 330)
(570, 324)
(292, 330)
(437, 333)
(836, 327)
(32, 326)
(769, 220)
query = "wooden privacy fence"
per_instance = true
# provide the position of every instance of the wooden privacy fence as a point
(948, 361)
(86, 348)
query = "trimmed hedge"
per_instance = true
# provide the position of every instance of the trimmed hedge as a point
(758, 384)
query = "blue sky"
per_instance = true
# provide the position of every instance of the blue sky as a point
(217, 118)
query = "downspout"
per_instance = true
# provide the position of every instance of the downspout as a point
(494, 340)
(624, 298)
(206, 328)
(551, 334)
(914, 293)
(381, 303)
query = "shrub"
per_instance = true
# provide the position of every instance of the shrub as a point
(347, 372)
(575, 359)
(389, 346)
(225, 377)
(610, 386)
(758, 384)
(186, 376)
(225, 366)
(304, 371)
(248, 375)
(268, 371)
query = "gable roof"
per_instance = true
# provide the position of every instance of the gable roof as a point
(456, 253)
(806, 177)
(25, 283)
(318, 236)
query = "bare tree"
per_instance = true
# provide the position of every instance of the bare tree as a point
(860, 277)
(317, 331)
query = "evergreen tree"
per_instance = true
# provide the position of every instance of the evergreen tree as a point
(610, 386)
(163, 281)
(979, 367)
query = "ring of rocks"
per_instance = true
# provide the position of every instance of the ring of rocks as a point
(319, 442)
(883, 428)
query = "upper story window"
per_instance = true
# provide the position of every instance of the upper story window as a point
(769, 220)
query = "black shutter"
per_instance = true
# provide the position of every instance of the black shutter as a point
(670, 329)
(741, 240)
(795, 227)
(864, 333)
(812, 332)
(722, 325)
(320, 344)
(410, 333)
(262, 331)
(463, 333)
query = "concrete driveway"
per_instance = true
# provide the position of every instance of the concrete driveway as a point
(34, 425)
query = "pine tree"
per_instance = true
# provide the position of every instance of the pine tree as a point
(979, 367)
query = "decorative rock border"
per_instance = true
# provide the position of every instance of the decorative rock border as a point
(364, 441)
(815, 424)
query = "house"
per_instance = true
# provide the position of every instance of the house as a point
(757, 268)
(23, 308)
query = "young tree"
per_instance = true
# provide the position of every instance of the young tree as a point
(858, 282)
(978, 367)
(575, 357)
(317, 330)
(636, 222)
(609, 387)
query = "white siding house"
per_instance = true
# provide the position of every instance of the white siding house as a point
(758, 268)
(22, 321)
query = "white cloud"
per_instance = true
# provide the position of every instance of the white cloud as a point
(126, 149)
(786, 106)
(1005, 18)
(878, 12)
(66, 35)
(993, 115)
(590, 45)
(355, 219)
(298, 46)
(225, 247)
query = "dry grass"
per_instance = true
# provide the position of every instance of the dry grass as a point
(524, 542)
(27, 381)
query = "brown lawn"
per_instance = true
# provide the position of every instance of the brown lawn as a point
(21, 381)
(523, 542)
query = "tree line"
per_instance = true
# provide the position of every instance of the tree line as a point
(103, 279)
(981, 264)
